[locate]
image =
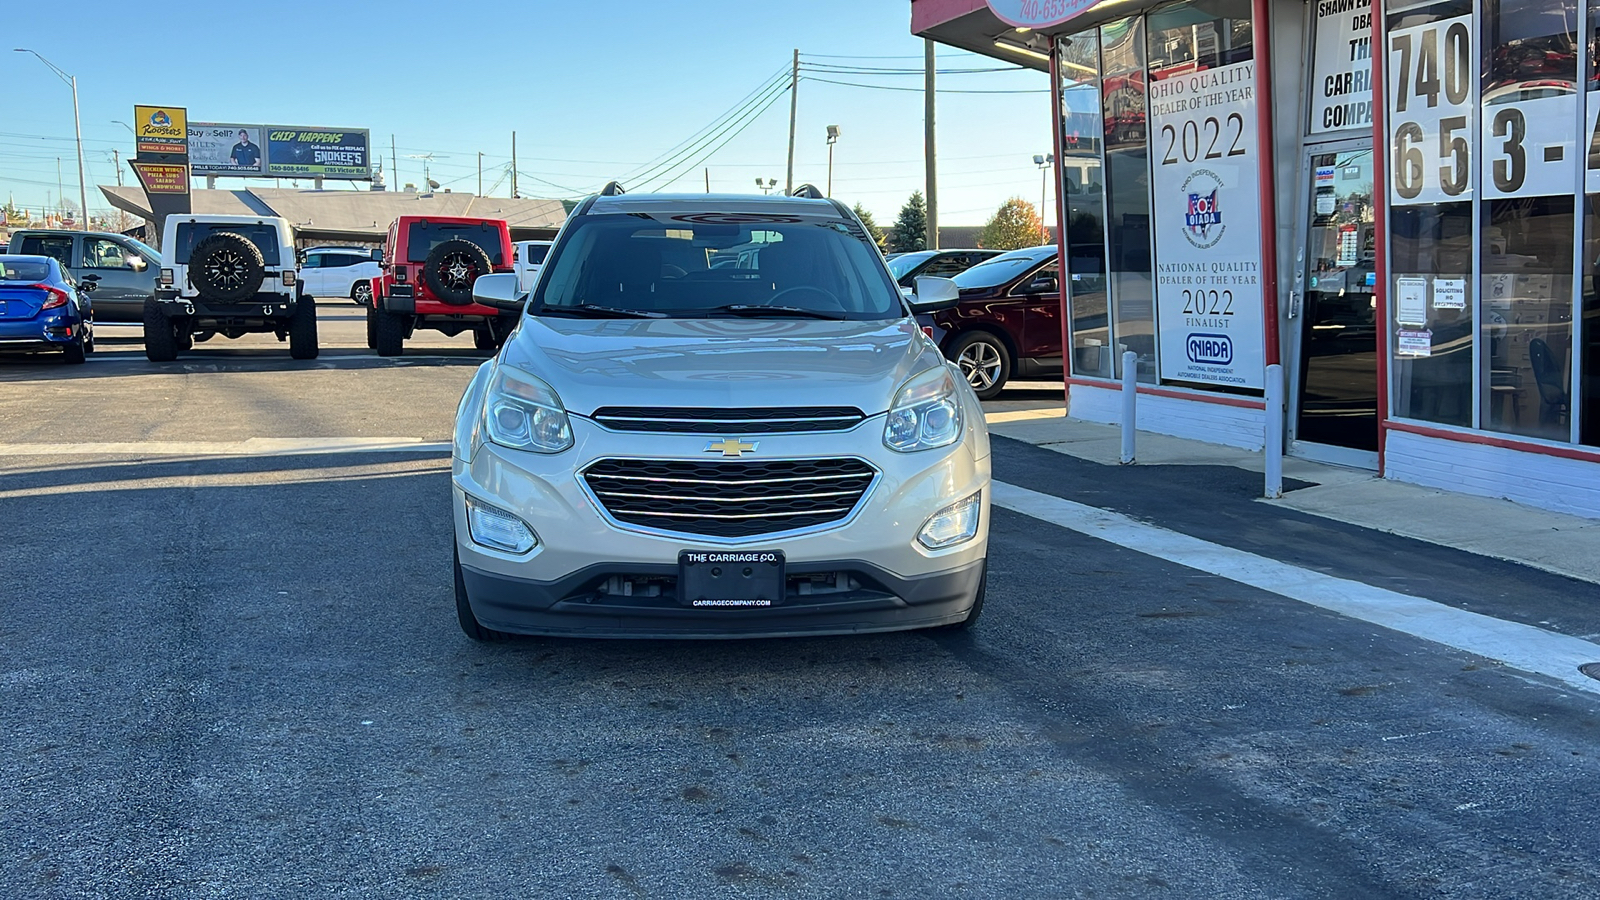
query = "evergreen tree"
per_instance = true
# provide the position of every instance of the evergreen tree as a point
(878, 236)
(910, 232)
(1014, 225)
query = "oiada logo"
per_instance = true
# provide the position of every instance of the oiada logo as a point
(1210, 349)
(1202, 216)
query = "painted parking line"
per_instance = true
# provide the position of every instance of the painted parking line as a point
(1521, 646)
(250, 447)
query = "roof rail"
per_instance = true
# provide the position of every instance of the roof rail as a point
(808, 191)
(612, 189)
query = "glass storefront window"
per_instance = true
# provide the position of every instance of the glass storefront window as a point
(1083, 204)
(1127, 193)
(1529, 176)
(1431, 95)
(1589, 327)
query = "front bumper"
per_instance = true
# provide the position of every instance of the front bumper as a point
(592, 576)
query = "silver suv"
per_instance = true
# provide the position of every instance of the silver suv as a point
(675, 445)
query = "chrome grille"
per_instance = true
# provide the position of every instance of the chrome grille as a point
(757, 420)
(729, 499)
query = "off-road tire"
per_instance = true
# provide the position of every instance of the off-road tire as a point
(452, 267)
(75, 353)
(160, 340)
(469, 622)
(226, 267)
(984, 360)
(389, 334)
(372, 328)
(977, 605)
(303, 329)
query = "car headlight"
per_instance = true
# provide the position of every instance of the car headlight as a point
(524, 413)
(952, 525)
(926, 413)
(497, 529)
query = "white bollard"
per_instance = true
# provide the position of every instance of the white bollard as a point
(1130, 397)
(1274, 444)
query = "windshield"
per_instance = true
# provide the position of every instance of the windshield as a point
(995, 272)
(905, 262)
(29, 270)
(701, 264)
(190, 234)
(424, 236)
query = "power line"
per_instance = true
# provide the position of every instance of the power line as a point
(668, 158)
(890, 87)
(770, 98)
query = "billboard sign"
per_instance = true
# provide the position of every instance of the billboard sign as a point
(162, 178)
(227, 149)
(294, 152)
(1038, 13)
(160, 129)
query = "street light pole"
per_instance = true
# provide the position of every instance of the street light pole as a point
(77, 124)
(833, 135)
(1043, 162)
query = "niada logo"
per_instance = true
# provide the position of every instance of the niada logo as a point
(1210, 349)
(1202, 217)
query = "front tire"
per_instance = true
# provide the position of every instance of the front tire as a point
(303, 330)
(389, 334)
(470, 626)
(984, 360)
(160, 338)
(372, 328)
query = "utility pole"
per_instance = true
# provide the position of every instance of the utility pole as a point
(394, 162)
(708, 179)
(513, 165)
(122, 217)
(794, 107)
(480, 173)
(60, 193)
(928, 149)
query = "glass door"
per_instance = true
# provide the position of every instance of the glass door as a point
(1336, 404)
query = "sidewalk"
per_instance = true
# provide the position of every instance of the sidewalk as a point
(1562, 544)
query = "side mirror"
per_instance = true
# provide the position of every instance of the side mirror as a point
(1044, 284)
(498, 290)
(934, 294)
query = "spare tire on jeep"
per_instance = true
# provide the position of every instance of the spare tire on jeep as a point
(452, 267)
(226, 267)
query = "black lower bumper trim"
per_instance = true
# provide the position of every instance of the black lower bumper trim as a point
(571, 607)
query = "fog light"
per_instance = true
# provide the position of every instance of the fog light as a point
(952, 525)
(498, 529)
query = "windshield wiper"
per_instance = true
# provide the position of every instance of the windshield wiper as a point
(755, 311)
(596, 311)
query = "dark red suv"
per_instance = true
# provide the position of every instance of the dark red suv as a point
(1008, 324)
(429, 265)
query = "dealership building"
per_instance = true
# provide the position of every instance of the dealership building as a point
(1410, 233)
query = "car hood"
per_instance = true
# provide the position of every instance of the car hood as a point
(721, 363)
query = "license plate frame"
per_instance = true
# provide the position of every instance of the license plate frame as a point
(731, 579)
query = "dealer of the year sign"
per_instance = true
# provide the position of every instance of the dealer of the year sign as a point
(1207, 189)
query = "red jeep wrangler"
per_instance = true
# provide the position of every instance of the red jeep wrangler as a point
(429, 265)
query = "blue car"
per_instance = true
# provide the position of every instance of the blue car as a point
(42, 310)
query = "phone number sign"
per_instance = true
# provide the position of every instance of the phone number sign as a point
(1433, 111)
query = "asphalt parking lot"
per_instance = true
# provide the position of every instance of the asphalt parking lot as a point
(234, 670)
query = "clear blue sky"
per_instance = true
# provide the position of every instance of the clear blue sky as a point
(594, 90)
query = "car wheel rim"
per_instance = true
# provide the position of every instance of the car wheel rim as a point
(363, 293)
(980, 362)
(226, 269)
(457, 270)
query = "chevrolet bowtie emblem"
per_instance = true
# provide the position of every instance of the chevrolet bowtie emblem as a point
(731, 447)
